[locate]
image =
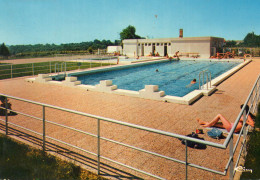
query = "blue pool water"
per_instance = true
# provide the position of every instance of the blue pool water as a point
(172, 77)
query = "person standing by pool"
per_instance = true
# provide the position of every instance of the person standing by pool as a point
(177, 55)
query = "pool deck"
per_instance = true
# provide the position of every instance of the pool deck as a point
(170, 117)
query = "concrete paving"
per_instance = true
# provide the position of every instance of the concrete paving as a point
(175, 118)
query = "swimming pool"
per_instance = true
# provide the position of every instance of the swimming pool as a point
(172, 76)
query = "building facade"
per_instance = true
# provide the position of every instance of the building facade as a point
(204, 47)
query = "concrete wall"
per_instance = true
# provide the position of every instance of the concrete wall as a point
(204, 46)
(113, 49)
(130, 47)
(201, 47)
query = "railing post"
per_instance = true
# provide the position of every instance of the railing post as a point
(11, 71)
(231, 167)
(258, 91)
(50, 66)
(6, 117)
(43, 128)
(186, 159)
(98, 145)
(207, 80)
(244, 122)
(32, 69)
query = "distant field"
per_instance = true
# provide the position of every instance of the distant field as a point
(29, 69)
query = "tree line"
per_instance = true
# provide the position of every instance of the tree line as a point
(83, 46)
(250, 40)
(38, 50)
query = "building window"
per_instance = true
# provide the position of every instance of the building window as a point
(161, 44)
(165, 44)
(157, 44)
(139, 44)
(145, 44)
(149, 44)
(169, 44)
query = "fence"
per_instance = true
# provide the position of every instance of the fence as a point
(240, 51)
(31, 69)
(252, 101)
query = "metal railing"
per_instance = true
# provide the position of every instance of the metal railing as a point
(252, 100)
(32, 69)
(206, 73)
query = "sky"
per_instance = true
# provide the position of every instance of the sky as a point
(75, 21)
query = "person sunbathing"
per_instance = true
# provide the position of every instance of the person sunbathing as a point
(221, 122)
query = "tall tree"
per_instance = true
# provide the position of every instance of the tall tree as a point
(252, 40)
(129, 33)
(231, 43)
(4, 51)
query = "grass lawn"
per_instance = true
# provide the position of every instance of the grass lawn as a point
(19, 70)
(253, 155)
(20, 161)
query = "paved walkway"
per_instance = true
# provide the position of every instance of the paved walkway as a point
(169, 117)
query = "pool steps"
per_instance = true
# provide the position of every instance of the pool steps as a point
(149, 92)
(43, 78)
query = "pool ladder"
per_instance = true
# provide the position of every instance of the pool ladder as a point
(204, 73)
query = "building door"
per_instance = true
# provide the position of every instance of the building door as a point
(165, 50)
(213, 51)
(142, 50)
(153, 49)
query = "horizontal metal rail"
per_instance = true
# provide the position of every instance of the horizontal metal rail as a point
(40, 134)
(138, 170)
(68, 144)
(240, 114)
(121, 123)
(106, 139)
(70, 128)
(34, 68)
(229, 139)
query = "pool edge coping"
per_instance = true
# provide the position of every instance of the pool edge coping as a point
(151, 92)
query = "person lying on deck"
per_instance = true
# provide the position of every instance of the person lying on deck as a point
(221, 122)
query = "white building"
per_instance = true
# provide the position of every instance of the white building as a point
(113, 49)
(187, 46)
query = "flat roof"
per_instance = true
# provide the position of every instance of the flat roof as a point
(206, 38)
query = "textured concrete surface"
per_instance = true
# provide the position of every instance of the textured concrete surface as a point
(175, 118)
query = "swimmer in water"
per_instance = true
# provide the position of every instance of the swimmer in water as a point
(194, 81)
